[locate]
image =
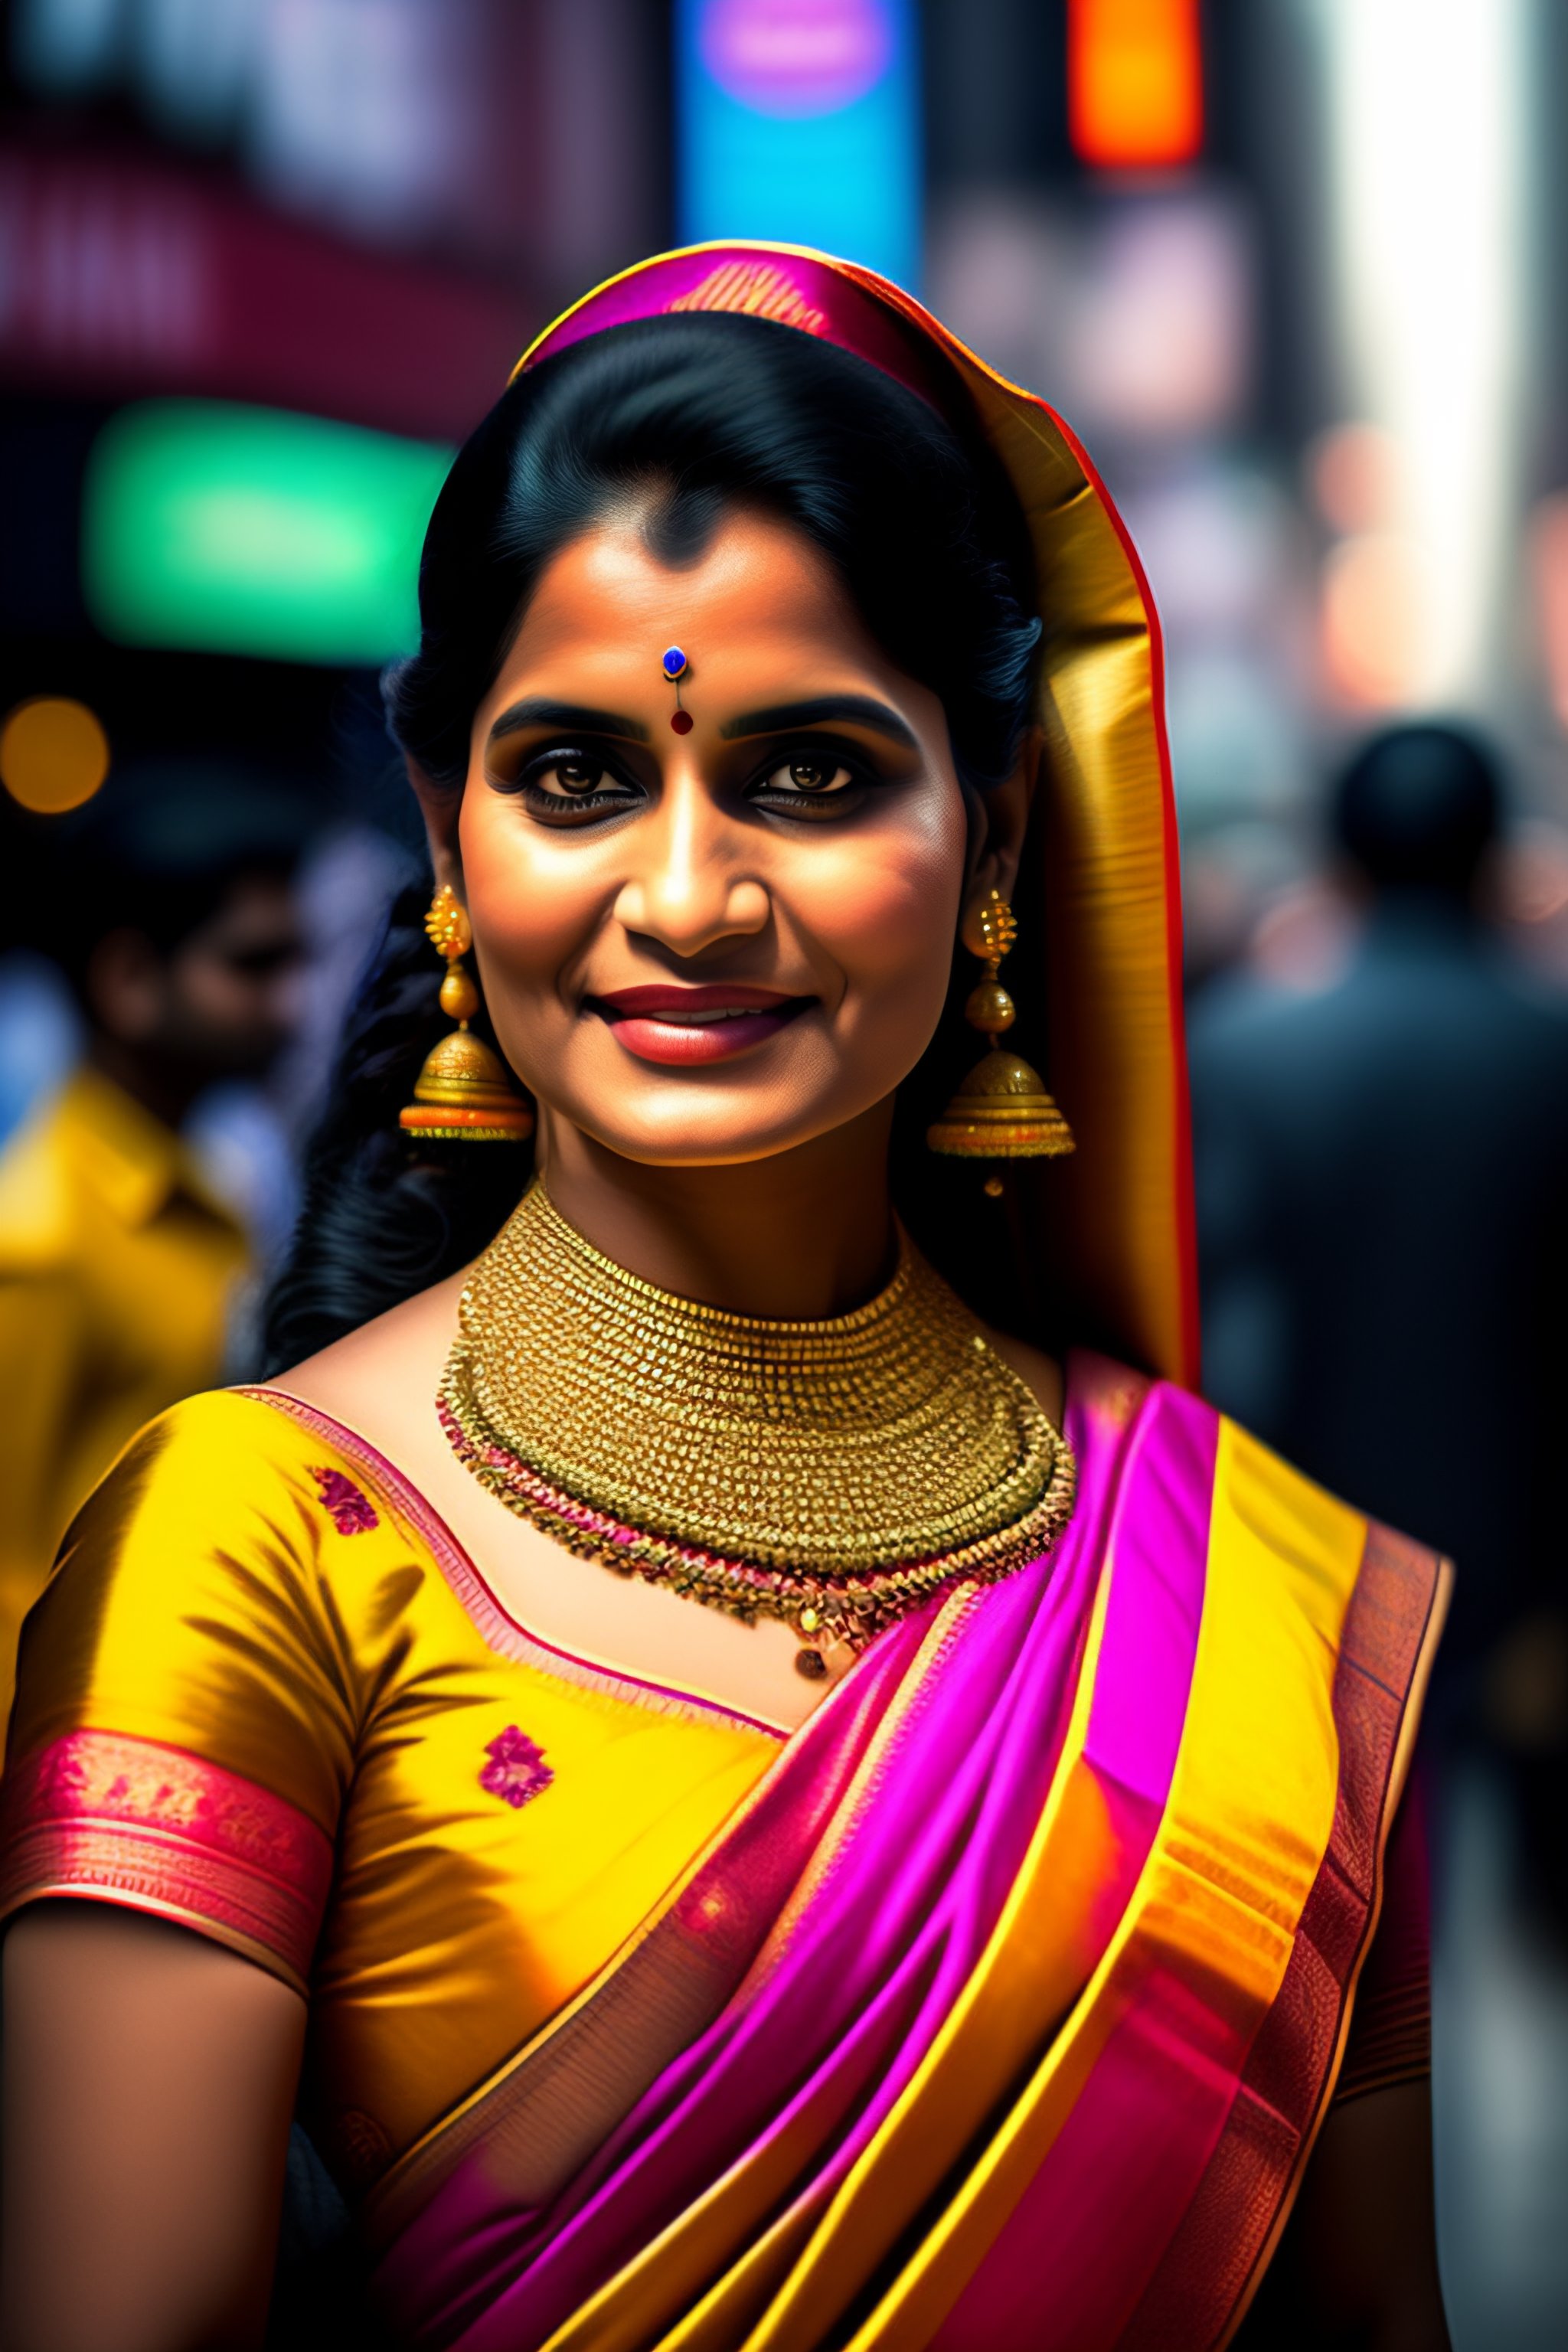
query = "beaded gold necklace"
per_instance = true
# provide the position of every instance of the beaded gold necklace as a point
(835, 1474)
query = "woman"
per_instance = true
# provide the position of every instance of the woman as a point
(948, 1936)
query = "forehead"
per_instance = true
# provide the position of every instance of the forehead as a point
(757, 582)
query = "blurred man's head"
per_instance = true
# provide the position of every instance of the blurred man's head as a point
(171, 911)
(1417, 810)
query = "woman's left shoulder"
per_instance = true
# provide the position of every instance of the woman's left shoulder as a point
(1041, 1374)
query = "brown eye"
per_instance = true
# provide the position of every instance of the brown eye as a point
(808, 776)
(578, 776)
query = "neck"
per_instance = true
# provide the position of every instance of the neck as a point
(801, 1235)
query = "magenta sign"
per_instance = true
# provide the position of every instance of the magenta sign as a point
(796, 57)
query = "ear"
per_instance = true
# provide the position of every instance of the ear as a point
(1000, 821)
(440, 807)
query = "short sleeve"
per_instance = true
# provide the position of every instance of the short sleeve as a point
(187, 1708)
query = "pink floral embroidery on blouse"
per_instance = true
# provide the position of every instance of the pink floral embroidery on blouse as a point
(351, 1510)
(517, 1770)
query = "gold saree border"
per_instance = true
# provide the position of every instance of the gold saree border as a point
(1285, 2191)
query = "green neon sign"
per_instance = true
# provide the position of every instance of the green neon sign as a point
(219, 529)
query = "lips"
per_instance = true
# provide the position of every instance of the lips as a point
(683, 1027)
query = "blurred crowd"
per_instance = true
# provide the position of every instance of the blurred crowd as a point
(1380, 1107)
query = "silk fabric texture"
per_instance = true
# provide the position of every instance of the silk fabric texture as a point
(1005, 2011)
(1029, 1959)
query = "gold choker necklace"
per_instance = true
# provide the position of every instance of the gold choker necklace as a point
(835, 1475)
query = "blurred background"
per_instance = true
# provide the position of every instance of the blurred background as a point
(1292, 270)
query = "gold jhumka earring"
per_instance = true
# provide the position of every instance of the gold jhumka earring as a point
(462, 1094)
(1002, 1110)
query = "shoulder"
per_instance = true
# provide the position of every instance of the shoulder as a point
(231, 1588)
(398, 1341)
(406, 1347)
(1040, 1373)
(228, 1503)
(211, 1456)
(210, 1507)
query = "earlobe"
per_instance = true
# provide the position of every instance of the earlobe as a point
(1003, 822)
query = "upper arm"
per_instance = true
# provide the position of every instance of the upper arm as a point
(183, 1732)
(1358, 2264)
(149, 2084)
(188, 1701)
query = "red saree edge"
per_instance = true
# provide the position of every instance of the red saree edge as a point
(1186, 2275)
(112, 1818)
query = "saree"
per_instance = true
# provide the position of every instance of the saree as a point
(1006, 2008)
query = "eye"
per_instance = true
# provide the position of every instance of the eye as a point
(572, 788)
(810, 784)
(573, 780)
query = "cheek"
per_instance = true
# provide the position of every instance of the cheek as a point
(887, 909)
(529, 908)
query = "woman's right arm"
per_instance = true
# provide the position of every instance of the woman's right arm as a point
(149, 2082)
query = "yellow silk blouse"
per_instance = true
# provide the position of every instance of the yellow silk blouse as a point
(265, 1694)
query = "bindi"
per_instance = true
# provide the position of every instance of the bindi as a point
(675, 670)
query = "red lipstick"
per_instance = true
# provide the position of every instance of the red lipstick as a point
(682, 1027)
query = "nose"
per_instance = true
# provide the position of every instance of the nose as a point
(690, 886)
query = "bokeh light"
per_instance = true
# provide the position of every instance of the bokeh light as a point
(1135, 90)
(213, 525)
(1352, 471)
(1374, 619)
(54, 754)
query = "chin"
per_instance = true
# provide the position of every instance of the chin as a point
(706, 1143)
(707, 1127)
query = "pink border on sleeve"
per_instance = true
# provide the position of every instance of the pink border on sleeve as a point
(123, 1820)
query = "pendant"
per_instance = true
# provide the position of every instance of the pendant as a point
(810, 1662)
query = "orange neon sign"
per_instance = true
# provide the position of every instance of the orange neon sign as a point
(1135, 86)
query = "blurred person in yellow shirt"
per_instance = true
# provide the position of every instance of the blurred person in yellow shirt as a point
(168, 903)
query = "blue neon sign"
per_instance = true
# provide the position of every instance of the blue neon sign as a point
(800, 120)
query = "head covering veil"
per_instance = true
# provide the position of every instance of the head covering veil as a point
(1099, 972)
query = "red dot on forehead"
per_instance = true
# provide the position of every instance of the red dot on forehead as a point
(681, 721)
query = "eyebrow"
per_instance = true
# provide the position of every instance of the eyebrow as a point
(856, 709)
(539, 711)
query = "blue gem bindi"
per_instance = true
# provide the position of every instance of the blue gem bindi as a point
(675, 670)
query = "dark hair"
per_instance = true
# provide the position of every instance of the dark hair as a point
(157, 850)
(688, 416)
(1418, 807)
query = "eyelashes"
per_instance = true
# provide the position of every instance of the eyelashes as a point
(568, 786)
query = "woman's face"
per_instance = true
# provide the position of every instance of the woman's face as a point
(709, 946)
